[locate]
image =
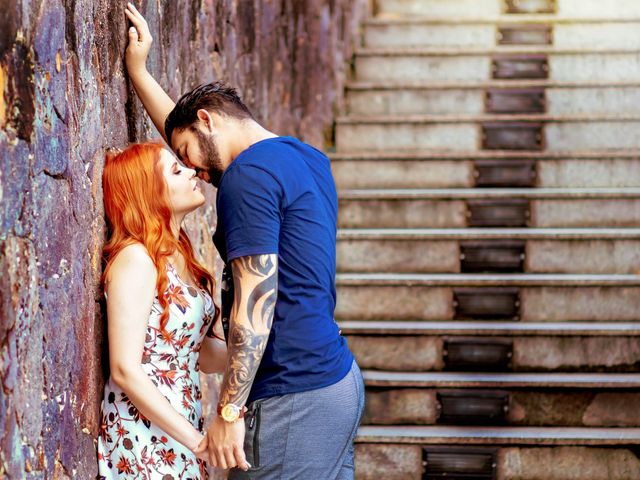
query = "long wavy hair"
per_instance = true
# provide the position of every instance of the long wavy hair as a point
(137, 207)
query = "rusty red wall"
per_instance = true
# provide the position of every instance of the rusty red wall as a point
(65, 98)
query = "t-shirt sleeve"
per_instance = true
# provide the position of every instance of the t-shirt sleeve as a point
(250, 206)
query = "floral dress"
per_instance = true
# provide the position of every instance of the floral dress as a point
(129, 445)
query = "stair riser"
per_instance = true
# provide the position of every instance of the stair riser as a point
(467, 136)
(588, 173)
(404, 173)
(559, 101)
(569, 67)
(441, 8)
(561, 354)
(453, 213)
(572, 408)
(595, 256)
(537, 304)
(492, 8)
(380, 174)
(443, 256)
(430, 35)
(404, 462)
(564, 35)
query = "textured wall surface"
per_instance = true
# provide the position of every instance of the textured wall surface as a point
(65, 98)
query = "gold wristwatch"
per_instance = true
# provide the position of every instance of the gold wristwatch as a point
(230, 412)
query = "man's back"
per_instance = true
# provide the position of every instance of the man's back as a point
(278, 196)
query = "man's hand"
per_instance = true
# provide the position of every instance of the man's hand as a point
(139, 41)
(226, 444)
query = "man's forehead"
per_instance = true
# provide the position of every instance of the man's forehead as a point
(174, 141)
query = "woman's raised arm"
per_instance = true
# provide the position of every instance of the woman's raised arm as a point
(155, 100)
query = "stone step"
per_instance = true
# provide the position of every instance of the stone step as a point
(507, 250)
(486, 280)
(488, 132)
(420, 346)
(503, 30)
(434, 435)
(478, 64)
(400, 170)
(576, 9)
(413, 346)
(478, 98)
(494, 207)
(529, 381)
(506, 453)
(526, 399)
(490, 328)
(528, 297)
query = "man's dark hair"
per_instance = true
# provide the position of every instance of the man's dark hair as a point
(214, 97)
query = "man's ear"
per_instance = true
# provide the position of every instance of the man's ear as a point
(205, 117)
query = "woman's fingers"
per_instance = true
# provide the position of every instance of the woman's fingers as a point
(136, 13)
(139, 22)
(132, 18)
(204, 456)
(136, 23)
(202, 446)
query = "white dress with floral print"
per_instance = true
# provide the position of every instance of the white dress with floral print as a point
(129, 445)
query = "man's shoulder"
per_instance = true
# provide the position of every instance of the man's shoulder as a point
(277, 151)
(286, 160)
(271, 156)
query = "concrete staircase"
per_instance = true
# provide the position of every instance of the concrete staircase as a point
(488, 168)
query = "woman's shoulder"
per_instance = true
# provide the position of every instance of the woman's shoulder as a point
(133, 258)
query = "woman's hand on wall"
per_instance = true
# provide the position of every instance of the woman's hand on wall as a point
(139, 41)
(155, 100)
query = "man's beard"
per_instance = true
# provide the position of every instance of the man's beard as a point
(210, 157)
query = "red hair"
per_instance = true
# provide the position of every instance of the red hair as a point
(138, 210)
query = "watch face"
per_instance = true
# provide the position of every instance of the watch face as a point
(230, 412)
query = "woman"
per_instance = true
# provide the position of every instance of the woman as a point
(151, 411)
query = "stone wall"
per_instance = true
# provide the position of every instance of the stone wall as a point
(65, 98)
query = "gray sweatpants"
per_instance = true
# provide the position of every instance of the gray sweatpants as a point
(307, 435)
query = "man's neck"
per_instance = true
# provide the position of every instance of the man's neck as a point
(249, 133)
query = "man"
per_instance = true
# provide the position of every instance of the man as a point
(292, 395)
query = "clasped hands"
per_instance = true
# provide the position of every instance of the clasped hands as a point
(223, 445)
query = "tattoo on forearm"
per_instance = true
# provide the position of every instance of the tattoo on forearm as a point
(245, 350)
(247, 341)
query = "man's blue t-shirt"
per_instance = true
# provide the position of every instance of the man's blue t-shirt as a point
(278, 197)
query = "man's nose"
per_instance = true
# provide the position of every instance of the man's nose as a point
(203, 175)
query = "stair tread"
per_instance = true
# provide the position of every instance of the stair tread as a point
(499, 380)
(481, 154)
(487, 280)
(509, 19)
(468, 85)
(477, 51)
(472, 328)
(499, 435)
(487, 233)
(470, 193)
(485, 118)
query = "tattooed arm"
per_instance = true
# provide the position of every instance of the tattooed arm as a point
(255, 281)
